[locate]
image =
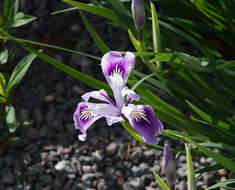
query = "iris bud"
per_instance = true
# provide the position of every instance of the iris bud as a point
(169, 166)
(138, 13)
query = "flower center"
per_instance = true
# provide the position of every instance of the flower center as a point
(86, 114)
(138, 115)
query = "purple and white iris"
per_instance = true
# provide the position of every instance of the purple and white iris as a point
(116, 69)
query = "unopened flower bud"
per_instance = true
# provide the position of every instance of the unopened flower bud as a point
(138, 13)
(169, 166)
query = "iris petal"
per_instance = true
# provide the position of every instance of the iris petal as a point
(116, 69)
(87, 113)
(130, 95)
(114, 63)
(99, 95)
(144, 121)
(112, 120)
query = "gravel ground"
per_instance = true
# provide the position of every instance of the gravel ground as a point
(48, 154)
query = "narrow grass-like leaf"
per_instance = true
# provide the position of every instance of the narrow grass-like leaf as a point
(222, 184)
(156, 30)
(64, 10)
(191, 62)
(132, 132)
(137, 136)
(118, 6)
(105, 12)
(143, 85)
(190, 170)
(18, 73)
(212, 167)
(11, 118)
(6, 10)
(70, 71)
(188, 38)
(138, 47)
(134, 41)
(160, 181)
(153, 81)
(94, 35)
(54, 47)
(226, 65)
(156, 34)
(204, 115)
(220, 146)
(141, 81)
(165, 57)
(218, 157)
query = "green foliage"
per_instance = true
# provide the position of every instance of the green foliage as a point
(190, 170)
(223, 185)
(11, 118)
(160, 181)
(9, 79)
(4, 56)
(18, 73)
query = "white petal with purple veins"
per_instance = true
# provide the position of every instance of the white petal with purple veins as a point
(114, 63)
(112, 120)
(99, 95)
(130, 95)
(87, 113)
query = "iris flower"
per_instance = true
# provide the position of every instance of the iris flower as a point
(116, 69)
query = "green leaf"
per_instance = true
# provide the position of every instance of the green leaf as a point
(19, 72)
(139, 48)
(141, 81)
(153, 81)
(143, 85)
(64, 10)
(222, 184)
(70, 71)
(220, 146)
(156, 30)
(11, 118)
(132, 132)
(54, 47)
(191, 62)
(107, 13)
(21, 19)
(6, 10)
(226, 65)
(3, 56)
(207, 117)
(212, 167)
(227, 163)
(2, 86)
(25, 122)
(163, 57)
(190, 170)
(204, 115)
(188, 38)
(94, 35)
(160, 181)
(135, 42)
(118, 6)
(16, 7)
